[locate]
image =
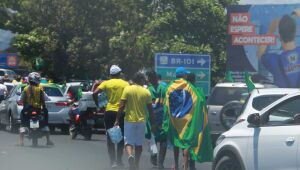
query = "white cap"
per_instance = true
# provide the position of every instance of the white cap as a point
(114, 69)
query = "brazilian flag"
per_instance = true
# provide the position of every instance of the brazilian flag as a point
(249, 82)
(186, 120)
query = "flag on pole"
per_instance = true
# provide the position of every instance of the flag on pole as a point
(249, 83)
(228, 77)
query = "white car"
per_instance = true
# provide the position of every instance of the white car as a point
(268, 140)
(221, 94)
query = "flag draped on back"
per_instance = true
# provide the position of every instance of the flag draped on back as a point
(249, 83)
(186, 120)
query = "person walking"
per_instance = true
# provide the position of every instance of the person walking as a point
(137, 103)
(113, 89)
(186, 120)
(157, 90)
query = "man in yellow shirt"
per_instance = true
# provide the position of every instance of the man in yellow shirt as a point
(137, 102)
(113, 89)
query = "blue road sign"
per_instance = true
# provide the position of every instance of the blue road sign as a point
(200, 65)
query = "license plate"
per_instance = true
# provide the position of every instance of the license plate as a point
(34, 124)
(90, 121)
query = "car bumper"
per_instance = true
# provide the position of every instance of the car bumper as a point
(61, 117)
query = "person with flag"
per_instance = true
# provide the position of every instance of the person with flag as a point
(157, 90)
(186, 120)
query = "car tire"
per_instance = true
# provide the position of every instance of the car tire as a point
(228, 162)
(11, 127)
(229, 113)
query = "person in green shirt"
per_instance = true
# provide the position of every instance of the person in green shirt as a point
(157, 90)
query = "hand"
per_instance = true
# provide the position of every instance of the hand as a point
(274, 25)
(117, 123)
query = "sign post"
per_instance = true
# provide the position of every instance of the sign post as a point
(200, 65)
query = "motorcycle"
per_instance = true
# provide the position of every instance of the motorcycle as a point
(37, 125)
(81, 122)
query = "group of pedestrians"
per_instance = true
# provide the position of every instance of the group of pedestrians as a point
(141, 110)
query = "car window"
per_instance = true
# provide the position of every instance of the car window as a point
(261, 102)
(50, 91)
(53, 91)
(222, 95)
(284, 113)
(1, 73)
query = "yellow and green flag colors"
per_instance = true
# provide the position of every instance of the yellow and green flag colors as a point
(249, 83)
(186, 120)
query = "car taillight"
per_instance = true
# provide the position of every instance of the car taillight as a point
(20, 103)
(62, 104)
(34, 113)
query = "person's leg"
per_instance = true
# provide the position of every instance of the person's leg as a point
(138, 153)
(185, 159)
(139, 139)
(21, 137)
(120, 146)
(129, 134)
(109, 120)
(176, 157)
(129, 150)
(192, 164)
(162, 153)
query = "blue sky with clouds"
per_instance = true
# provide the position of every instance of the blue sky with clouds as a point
(269, 1)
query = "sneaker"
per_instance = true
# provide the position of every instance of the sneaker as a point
(131, 163)
(114, 165)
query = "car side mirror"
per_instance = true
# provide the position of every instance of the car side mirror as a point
(254, 119)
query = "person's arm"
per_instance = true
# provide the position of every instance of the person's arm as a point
(120, 111)
(262, 48)
(95, 94)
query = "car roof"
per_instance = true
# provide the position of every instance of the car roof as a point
(270, 91)
(238, 84)
(74, 83)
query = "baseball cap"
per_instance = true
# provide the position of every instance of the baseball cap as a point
(181, 71)
(114, 69)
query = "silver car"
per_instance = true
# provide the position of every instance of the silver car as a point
(57, 106)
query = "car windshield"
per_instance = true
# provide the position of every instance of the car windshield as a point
(222, 95)
(50, 91)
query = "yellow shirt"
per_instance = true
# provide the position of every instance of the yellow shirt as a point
(113, 89)
(137, 98)
(32, 95)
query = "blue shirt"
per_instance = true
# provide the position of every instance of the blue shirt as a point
(285, 67)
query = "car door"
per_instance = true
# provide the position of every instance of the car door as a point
(274, 145)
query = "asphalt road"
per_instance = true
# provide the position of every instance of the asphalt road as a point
(66, 154)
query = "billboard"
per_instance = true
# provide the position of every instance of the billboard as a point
(8, 60)
(264, 40)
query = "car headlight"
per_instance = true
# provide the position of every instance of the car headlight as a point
(220, 139)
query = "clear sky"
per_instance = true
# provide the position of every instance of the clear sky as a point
(269, 1)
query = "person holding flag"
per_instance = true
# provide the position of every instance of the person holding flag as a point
(186, 120)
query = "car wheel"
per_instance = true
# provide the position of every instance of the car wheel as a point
(228, 162)
(11, 127)
(230, 113)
